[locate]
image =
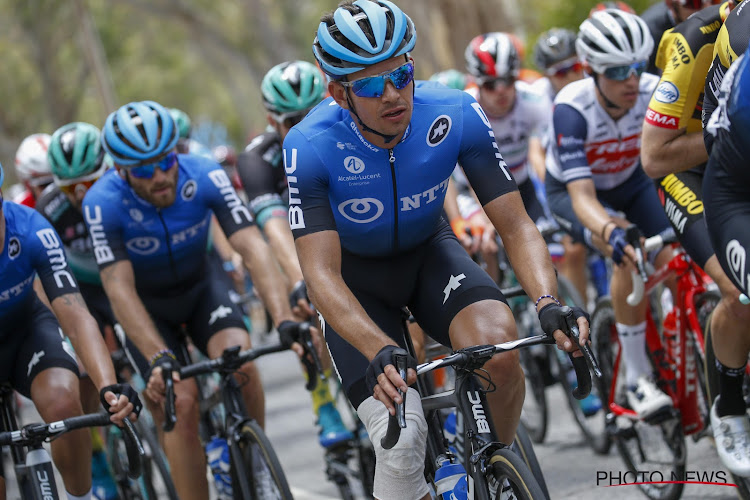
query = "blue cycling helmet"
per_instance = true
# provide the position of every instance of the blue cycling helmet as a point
(2, 176)
(361, 34)
(139, 131)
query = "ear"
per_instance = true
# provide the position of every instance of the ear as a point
(338, 92)
(121, 171)
(270, 120)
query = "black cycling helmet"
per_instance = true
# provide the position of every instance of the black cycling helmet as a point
(554, 46)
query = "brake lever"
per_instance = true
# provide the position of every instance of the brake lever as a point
(588, 354)
(170, 412)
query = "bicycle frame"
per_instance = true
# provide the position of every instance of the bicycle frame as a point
(675, 365)
(17, 453)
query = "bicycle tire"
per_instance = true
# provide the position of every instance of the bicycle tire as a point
(507, 470)
(603, 335)
(593, 426)
(259, 458)
(523, 447)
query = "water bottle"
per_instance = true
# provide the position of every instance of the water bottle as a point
(598, 272)
(449, 431)
(450, 481)
(217, 452)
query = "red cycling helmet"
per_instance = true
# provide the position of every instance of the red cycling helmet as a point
(611, 5)
(695, 4)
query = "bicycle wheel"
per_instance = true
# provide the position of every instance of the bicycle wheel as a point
(523, 448)
(261, 467)
(604, 343)
(508, 477)
(592, 424)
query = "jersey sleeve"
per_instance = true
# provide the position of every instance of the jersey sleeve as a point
(104, 227)
(570, 131)
(480, 156)
(308, 181)
(259, 183)
(50, 261)
(223, 200)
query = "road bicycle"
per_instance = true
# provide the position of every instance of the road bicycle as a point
(677, 354)
(493, 468)
(33, 465)
(255, 469)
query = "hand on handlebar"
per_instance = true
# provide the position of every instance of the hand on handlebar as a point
(384, 381)
(155, 388)
(300, 302)
(552, 319)
(621, 249)
(122, 401)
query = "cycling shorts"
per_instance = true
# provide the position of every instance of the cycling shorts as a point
(681, 195)
(32, 347)
(435, 281)
(636, 198)
(203, 310)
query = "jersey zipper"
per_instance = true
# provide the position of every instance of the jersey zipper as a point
(392, 161)
(169, 245)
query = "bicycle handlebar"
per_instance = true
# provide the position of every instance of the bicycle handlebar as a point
(36, 434)
(471, 358)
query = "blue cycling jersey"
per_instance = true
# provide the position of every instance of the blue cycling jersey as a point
(166, 246)
(385, 201)
(31, 247)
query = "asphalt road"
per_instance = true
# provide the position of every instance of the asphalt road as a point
(570, 467)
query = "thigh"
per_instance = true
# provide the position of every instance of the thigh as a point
(42, 348)
(448, 281)
(638, 199)
(561, 207)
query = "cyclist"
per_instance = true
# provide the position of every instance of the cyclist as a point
(517, 117)
(289, 90)
(674, 153)
(149, 219)
(76, 161)
(611, 5)
(370, 238)
(726, 187)
(32, 168)
(662, 16)
(593, 167)
(35, 359)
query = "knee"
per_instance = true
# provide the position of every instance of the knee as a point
(737, 311)
(58, 400)
(187, 410)
(505, 369)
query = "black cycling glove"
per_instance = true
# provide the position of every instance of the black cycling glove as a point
(618, 242)
(290, 331)
(299, 292)
(383, 358)
(162, 359)
(126, 391)
(552, 317)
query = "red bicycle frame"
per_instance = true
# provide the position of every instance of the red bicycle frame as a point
(674, 360)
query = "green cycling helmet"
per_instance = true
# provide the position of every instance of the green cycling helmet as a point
(75, 151)
(182, 120)
(451, 78)
(292, 87)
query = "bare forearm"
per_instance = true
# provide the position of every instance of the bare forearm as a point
(282, 243)
(591, 214)
(530, 260)
(83, 331)
(676, 155)
(331, 296)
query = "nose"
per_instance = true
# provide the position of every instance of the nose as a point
(390, 92)
(159, 175)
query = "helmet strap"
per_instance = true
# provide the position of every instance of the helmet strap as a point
(352, 110)
(607, 102)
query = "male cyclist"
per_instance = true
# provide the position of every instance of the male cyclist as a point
(673, 152)
(370, 237)
(76, 161)
(149, 220)
(665, 15)
(289, 90)
(32, 168)
(593, 167)
(34, 358)
(726, 188)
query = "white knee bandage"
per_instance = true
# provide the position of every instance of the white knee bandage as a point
(399, 472)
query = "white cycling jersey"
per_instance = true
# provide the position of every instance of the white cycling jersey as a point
(587, 143)
(528, 117)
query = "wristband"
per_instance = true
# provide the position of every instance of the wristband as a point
(161, 354)
(604, 229)
(546, 296)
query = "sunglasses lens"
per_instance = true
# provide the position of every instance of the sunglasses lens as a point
(402, 76)
(147, 171)
(505, 81)
(623, 72)
(375, 85)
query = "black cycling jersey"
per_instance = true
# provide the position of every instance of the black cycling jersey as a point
(261, 170)
(659, 19)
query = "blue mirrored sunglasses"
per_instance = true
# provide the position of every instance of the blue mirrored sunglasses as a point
(147, 171)
(621, 73)
(374, 86)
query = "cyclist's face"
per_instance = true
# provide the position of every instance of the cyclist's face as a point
(390, 113)
(497, 96)
(623, 93)
(160, 190)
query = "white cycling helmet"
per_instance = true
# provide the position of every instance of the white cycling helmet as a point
(32, 166)
(612, 38)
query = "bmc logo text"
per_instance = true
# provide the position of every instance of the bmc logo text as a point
(56, 256)
(102, 250)
(296, 217)
(478, 411)
(237, 209)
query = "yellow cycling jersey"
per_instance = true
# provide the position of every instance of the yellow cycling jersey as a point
(685, 54)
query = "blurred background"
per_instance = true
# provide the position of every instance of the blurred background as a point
(71, 60)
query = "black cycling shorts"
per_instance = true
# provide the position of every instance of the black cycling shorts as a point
(435, 281)
(203, 310)
(37, 343)
(681, 195)
(636, 198)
